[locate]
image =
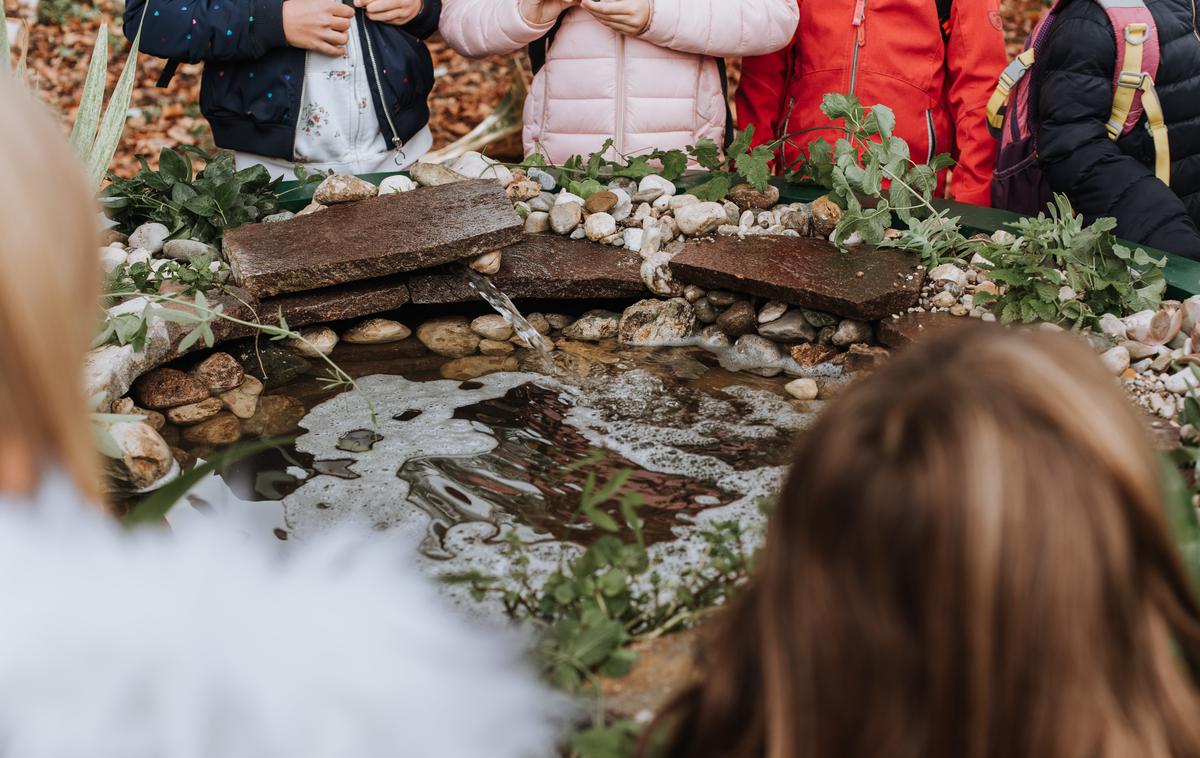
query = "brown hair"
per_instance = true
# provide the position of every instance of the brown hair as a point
(49, 293)
(969, 559)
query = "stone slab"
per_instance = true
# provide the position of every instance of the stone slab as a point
(910, 327)
(543, 266)
(806, 272)
(377, 237)
(354, 300)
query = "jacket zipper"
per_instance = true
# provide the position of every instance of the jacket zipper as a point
(932, 136)
(620, 115)
(860, 39)
(397, 143)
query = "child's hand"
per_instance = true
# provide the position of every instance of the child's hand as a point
(318, 25)
(397, 12)
(625, 16)
(544, 11)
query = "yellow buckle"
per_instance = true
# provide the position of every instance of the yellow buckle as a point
(1137, 34)
(1131, 79)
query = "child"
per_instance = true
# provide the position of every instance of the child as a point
(147, 644)
(639, 71)
(969, 558)
(315, 82)
(933, 63)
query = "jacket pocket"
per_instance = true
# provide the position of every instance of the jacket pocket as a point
(931, 130)
(241, 91)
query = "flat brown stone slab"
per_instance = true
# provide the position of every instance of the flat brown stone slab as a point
(377, 237)
(910, 327)
(543, 266)
(806, 272)
(344, 301)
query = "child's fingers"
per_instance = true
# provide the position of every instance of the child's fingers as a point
(339, 24)
(324, 48)
(334, 37)
(390, 15)
(342, 10)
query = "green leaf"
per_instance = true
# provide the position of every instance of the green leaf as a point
(881, 121)
(5, 48)
(112, 125)
(755, 167)
(174, 166)
(707, 154)
(585, 188)
(91, 102)
(674, 163)
(838, 106)
(741, 143)
(715, 189)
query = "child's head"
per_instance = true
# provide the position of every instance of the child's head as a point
(969, 558)
(49, 285)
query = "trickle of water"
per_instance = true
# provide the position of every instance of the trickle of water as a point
(509, 312)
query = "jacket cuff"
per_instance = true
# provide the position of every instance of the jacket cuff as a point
(266, 23)
(516, 27)
(657, 31)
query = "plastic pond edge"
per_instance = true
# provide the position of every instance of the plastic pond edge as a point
(1183, 274)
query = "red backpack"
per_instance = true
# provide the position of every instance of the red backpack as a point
(1019, 184)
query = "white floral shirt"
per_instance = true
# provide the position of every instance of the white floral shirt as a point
(337, 128)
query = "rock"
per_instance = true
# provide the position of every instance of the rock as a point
(1116, 360)
(310, 209)
(713, 338)
(1181, 382)
(624, 206)
(699, 219)
(810, 354)
(600, 202)
(343, 188)
(756, 355)
(987, 288)
(376, 331)
(850, 331)
(722, 298)
(543, 202)
(943, 300)
(276, 218)
(864, 358)
(539, 322)
(520, 191)
(242, 401)
(113, 237)
(314, 343)
(492, 347)
(488, 263)
(474, 165)
(681, 201)
(150, 237)
(790, 327)
(772, 311)
(806, 272)
(565, 217)
(656, 275)
(599, 225)
(137, 255)
(826, 214)
(632, 240)
(558, 321)
(1154, 327)
(450, 336)
(222, 429)
(269, 363)
(537, 222)
(474, 366)
(803, 388)
(276, 416)
(543, 178)
(492, 327)
(594, 326)
(111, 257)
(395, 184)
(692, 293)
(564, 197)
(1112, 326)
(746, 197)
(738, 319)
(219, 372)
(187, 250)
(433, 174)
(657, 322)
(145, 456)
(948, 272)
(165, 388)
(187, 415)
(799, 219)
(705, 312)
(652, 187)
(819, 319)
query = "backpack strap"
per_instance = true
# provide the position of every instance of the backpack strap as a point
(1138, 56)
(997, 106)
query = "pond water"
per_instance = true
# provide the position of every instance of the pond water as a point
(454, 464)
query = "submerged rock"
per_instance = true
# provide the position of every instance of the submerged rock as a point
(219, 372)
(242, 401)
(187, 415)
(495, 347)
(657, 322)
(376, 331)
(268, 362)
(276, 415)
(790, 327)
(165, 388)
(738, 319)
(343, 188)
(756, 355)
(474, 366)
(222, 429)
(315, 343)
(492, 327)
(594, 326)
(803, 388)
(811, 354)
(449, 336)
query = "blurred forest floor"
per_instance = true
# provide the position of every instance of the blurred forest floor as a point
(60, 34)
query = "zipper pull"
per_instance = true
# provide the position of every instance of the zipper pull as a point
(860, 21)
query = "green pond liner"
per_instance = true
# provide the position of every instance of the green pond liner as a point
(1183, 274)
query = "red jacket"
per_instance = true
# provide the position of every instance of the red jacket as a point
(890, 52)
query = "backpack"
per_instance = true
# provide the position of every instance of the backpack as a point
(1019, 184)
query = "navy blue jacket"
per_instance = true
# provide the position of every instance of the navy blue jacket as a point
(253, 80)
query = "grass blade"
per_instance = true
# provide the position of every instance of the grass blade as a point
(91, 103)
(5, 49)
(112, 126)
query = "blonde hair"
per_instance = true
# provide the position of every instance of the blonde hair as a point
(970, 559)
(49, 289)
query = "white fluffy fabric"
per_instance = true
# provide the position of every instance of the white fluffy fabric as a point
(209, 645)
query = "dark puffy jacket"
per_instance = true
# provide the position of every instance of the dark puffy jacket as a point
(1106, 178)
(253, 80)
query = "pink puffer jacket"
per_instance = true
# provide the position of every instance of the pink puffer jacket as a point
(661, 89)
